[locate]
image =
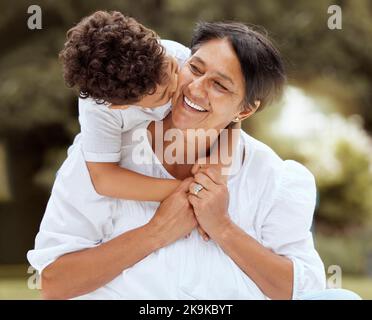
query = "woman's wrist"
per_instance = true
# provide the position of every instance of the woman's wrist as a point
(155, 236)
(223, 231)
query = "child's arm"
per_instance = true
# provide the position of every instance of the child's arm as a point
(110, 180)
(101, 132)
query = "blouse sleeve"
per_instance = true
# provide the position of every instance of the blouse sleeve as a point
(287, 227)
(76, 217)
(101, 129)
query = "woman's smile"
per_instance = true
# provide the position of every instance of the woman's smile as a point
(187, 111)
(189, 104)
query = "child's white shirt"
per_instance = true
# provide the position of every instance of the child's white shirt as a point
(102, 128)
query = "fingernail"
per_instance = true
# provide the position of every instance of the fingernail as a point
(206, 238)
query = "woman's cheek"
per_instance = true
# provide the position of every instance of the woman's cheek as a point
(184, 76)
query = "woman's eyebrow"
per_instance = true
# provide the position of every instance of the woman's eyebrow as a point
(198, 59)
(225, 77)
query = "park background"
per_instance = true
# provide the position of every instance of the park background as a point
(324, 120)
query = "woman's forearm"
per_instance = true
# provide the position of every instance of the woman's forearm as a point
(110, 180)
(78, 273)
(272, 273)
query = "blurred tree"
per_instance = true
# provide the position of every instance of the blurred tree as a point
(347, 202)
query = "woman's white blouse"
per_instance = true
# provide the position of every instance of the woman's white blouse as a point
(270, 199)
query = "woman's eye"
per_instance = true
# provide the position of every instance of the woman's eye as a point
(220, 85)
(194, 69)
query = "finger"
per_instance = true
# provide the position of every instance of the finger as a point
(213, 173)
(195, 168)
(184, 185)
(201, 194)
(193, 199)
(200, 163)
(203, 234)
(205, 181)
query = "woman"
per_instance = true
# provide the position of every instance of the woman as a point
(259, 223)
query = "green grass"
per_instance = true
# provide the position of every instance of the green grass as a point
(360, 285)
(16, 289)
(14, 279)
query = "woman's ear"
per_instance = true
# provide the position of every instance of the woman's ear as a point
(248, 111)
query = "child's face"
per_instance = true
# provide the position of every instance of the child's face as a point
(163, 92)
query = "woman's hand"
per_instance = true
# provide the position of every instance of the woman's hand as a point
(205, 163)
(175, 216)
(211, 203)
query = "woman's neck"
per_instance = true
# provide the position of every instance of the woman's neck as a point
(184, 145)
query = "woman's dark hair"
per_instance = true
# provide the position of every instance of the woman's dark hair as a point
(260, 61)
(112, 58)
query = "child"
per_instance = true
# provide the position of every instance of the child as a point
(114, 61)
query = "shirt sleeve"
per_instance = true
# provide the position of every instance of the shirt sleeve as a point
(177, 50)
(101, 129)
(76, 217)
(287, 227)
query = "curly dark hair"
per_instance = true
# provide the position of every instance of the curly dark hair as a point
(112, 58)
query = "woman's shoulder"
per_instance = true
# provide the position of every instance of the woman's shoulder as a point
(263, 162)
(257, 153)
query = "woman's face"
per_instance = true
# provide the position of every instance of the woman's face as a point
(211, 88)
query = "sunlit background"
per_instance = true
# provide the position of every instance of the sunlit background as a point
(324, 119)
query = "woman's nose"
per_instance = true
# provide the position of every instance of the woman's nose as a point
(196, 88)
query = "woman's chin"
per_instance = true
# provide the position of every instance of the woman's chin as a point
(185, 118)
(181, 122)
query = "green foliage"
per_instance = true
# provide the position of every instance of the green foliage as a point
(347, 201)
(337, 150)
(349, 251)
